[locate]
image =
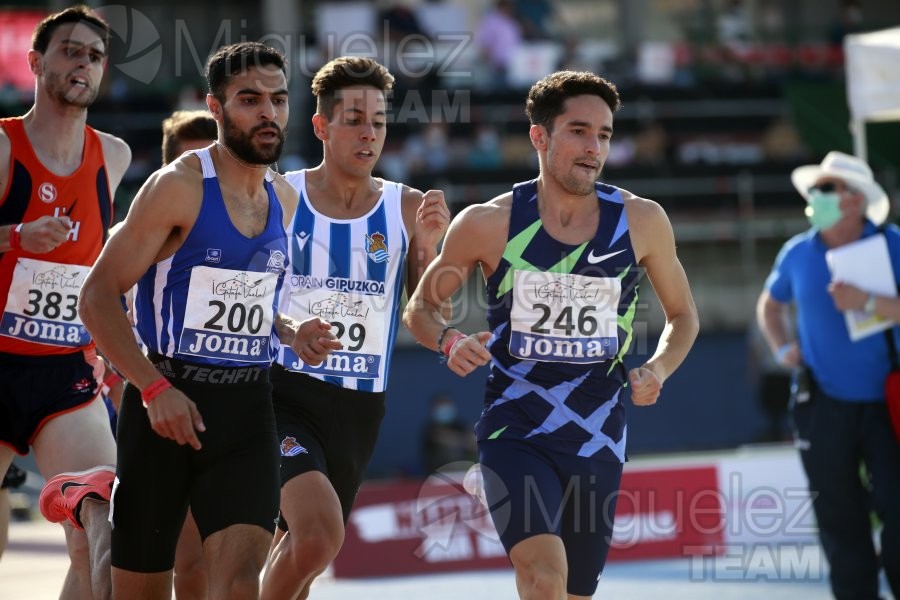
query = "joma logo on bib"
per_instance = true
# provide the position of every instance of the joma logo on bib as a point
(234, 346)
(47, 332)
(542, 348)
(338, 364)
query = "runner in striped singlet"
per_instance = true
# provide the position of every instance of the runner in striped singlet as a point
(353, 240)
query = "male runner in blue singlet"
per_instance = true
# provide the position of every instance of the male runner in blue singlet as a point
(561, 256)
(197, 408)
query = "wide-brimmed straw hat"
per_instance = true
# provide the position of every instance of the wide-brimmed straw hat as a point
(855, 173)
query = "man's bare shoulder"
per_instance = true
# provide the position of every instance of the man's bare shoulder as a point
(113, 142)
(409, 195)
(187, 167)
(649, 226)
(116, 153)
(642, 212)
(283, 188)
(182, 179)
(490, 214)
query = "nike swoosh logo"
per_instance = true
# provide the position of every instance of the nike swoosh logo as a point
(302, 238)
(596, 259)
(70, 484)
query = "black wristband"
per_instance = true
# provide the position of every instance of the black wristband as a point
(441, 337)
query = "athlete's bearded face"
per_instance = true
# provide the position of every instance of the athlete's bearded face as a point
(255, 115)
(261, 145)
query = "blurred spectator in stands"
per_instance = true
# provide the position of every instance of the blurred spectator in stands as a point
(399, 20)
(781, 142)
(572, 58)
(733, 24)
(409, 50)
(772, 23)
(733, 31)
(849, 20)
(498, 37)
(446, 437)
(650, 144)
(429, 150)
(535, 17)
(485, 153)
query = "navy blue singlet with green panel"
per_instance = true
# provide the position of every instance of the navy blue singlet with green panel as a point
(561, 317)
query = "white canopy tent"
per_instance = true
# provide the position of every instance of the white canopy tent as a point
(873, 81)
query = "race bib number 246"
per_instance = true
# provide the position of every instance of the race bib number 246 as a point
(564, 318)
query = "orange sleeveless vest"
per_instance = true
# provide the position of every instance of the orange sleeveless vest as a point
(38, 292)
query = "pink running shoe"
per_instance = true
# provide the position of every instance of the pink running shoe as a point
(63, 494)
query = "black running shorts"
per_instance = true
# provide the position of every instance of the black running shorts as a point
(14, 478)
(326, 428)
(34, 389)
(232, 479)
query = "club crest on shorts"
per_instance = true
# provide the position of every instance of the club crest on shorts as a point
(290, 447)
(82, 385)
(377, 249)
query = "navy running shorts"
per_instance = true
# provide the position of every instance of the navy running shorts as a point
(232, 479)
(34, 389)
(326, 428)
(531, 490)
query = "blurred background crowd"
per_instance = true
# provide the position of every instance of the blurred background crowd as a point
(722, 99)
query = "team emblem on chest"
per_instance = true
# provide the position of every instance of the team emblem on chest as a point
(376, 248)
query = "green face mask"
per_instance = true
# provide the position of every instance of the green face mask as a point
(824, 210)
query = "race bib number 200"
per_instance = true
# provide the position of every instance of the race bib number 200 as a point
(42, 304)
(229, 314)
(564, 318)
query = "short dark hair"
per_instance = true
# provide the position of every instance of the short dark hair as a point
(547, 97)
(184, 126)
(344, 72)
(40, 39)
(233, 59)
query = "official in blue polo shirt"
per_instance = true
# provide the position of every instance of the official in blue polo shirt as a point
(839, 407)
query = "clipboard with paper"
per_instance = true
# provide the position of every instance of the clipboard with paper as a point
(865, 264)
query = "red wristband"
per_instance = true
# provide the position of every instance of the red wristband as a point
(452, 342)
(155, 389)
(15, 237)
(112, 378)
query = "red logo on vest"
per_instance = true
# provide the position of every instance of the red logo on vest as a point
(47, 192)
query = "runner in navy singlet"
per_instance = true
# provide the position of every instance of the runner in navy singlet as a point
(561, 257)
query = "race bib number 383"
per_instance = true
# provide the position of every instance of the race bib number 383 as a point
(228, 314)
(564, 318)
(42, 304)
